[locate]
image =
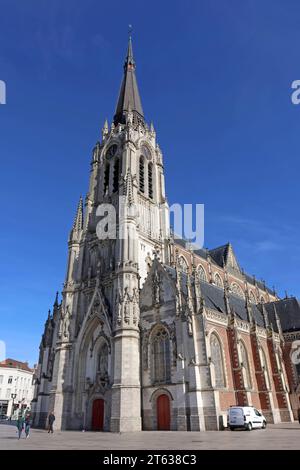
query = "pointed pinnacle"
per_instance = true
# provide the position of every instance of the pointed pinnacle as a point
(265, 315)
(105, 127)
(277, 319)
(128, 187)
(56, 300)
(78, 221)
(129, 58)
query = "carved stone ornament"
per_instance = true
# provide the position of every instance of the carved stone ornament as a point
(64, 326)
(127, 306)
(156, 288)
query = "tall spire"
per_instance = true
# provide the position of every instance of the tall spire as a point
(129, 97)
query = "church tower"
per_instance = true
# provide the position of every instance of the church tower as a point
(128, 174)
(96, 371)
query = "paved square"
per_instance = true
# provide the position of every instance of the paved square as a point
(279, 436)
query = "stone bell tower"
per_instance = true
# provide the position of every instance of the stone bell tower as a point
(142, 226)
(127, 175)
(130, 177)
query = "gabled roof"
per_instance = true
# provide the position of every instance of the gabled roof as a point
(224, 256)
(226, 253)
(15, 364)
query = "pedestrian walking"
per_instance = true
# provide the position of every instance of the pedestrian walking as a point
(51, 419)
(20, 424)
(27, 422)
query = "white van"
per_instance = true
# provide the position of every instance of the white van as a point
(246, 417)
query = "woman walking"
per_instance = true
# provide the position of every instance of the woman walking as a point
(20, 424)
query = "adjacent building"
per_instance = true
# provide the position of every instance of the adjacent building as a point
(16, 386)
(150, 332)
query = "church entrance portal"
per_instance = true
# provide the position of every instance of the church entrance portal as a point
(98, 415)
(163, 413)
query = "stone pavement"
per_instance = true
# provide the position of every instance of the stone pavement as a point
(278, 436)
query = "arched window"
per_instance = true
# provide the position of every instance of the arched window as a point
(237, 290)
(262, 300)
(146, 152)
(142, 174)
(116, 175)
(102, 366)
(217, 361)
(201, 273)
(150, 180)
(265, 367)
(106, 179)
(245, 366)
(160, 349)
(252, 297)
(183, 266)
(218, 280)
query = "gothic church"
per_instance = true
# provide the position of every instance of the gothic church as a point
(150, 333)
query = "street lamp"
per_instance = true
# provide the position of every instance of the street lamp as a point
(13, 396)
(21, 404)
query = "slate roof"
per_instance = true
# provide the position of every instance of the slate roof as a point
(224, 256)
(217, 256)
(288, 311)
(214, 299)
(129, 97)
(213, 296)
(260, 284)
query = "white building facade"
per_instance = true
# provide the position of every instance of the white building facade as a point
(16, 386)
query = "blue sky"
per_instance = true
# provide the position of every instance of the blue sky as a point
(214, 76)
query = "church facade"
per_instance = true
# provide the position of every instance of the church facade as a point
(152, 334)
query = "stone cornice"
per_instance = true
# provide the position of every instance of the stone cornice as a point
(215, 316)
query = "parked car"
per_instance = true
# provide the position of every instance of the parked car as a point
(4, 417)
(246, 417)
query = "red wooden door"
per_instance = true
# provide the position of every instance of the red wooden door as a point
(163, 413)
(98, 415)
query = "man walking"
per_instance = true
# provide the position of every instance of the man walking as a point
(51, 419)
(27, 422)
